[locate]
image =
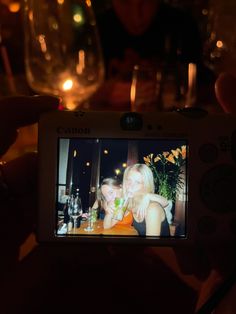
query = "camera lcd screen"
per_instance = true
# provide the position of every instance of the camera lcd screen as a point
(121, 187)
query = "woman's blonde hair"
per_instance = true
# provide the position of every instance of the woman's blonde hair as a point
(147, 175)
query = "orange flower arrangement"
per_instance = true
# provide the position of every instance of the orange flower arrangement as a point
(167, 168)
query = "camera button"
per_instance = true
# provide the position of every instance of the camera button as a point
(218, 189)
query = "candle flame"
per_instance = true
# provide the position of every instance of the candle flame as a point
(219, 44)
(67, 85)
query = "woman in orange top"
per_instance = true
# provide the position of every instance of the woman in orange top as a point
(111, 189)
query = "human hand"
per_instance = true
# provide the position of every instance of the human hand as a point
(19, 111)
(18, 204)
(225, 92)
(109, 207)
(216, 263)
(142, 207)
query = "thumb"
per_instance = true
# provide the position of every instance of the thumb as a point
(18, 111)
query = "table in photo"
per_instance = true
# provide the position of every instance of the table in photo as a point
(99, 230)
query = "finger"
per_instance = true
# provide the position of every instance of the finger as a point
(225, 89)
(23, 110)
(110, 211)
(193, 260)
(21, 174)
(19, 215)
(141, 215)
(138, 214)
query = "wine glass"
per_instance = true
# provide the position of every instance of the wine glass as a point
(220, 36)
(63, 56)
(145, 88)
(163, 87)
(75, 210)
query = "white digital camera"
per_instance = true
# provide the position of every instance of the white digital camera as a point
(192, 157)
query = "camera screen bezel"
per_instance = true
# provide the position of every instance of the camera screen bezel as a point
(67, 124)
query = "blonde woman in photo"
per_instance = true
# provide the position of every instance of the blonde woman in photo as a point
(146, 206)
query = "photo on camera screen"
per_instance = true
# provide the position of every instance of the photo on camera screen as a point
(121, 187)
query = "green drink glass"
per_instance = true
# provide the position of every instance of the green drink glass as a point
(120, 209)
